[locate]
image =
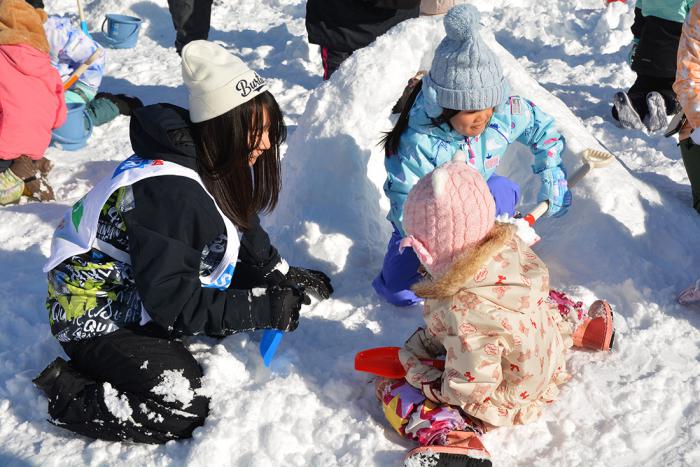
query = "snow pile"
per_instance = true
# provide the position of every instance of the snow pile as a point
(629, 237)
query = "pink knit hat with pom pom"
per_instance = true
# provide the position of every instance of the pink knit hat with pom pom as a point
(447, 211)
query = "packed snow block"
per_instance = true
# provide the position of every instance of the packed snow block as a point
(333, 168)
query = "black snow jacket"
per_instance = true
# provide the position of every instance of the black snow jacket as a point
(348, 25)
(172, 221)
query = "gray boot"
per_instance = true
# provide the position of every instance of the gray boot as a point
(626, 113)
(656, 120)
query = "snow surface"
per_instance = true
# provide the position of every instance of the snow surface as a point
(630, 237)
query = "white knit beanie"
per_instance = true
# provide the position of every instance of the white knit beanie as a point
(216, 80)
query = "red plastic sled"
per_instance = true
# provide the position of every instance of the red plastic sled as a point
(384, 361)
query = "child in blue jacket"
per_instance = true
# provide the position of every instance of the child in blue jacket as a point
(463, 105)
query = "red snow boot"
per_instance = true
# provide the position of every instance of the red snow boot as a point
(596, 332)
(463, 449)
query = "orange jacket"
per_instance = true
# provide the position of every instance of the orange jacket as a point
(687, 85)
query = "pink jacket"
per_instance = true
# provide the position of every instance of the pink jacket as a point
(31, 101)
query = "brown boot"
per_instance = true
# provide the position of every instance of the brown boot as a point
(34, 176)
(43, 165)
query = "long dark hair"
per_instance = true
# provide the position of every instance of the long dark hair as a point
(391, 140)
(224, 145)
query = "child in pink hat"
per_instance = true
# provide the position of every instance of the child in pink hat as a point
(488, 313)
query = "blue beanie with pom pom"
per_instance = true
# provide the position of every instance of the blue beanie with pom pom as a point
(465, 74)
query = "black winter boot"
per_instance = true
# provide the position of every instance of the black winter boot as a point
(61, 382)
(47, 378)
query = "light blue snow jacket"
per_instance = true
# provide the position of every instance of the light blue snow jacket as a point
(672, 10)
(423, 147)
(69, 48)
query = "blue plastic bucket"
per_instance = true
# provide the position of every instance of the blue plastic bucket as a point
(122, 31)
(74, 134)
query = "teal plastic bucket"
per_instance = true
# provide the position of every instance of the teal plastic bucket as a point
(73, 135)
(122, 31)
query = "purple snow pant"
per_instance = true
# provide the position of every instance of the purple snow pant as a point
(400, 271)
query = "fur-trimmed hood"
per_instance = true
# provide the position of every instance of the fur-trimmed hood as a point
(20, 23)
(501, 262)
(462, 271)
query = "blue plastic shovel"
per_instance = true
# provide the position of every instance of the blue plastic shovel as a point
(268, 345)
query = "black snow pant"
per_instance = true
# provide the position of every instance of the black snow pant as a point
(191, 19)
(691, 159)
(332, 59)
(654, 62)
(131, 385)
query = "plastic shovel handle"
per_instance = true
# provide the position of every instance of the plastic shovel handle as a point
(592, 158)
(83, 23)
(81, 69)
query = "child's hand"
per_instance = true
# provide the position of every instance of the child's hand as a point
(555, 190)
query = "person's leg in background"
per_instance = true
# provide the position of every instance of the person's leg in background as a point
(191, 19)
(105, 107)
(102, 107)
(332, 59)
(690, 152)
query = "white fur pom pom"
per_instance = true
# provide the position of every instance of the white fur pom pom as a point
(439, 179)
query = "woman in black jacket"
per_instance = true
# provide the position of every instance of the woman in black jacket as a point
(342, 26)
(153, 252)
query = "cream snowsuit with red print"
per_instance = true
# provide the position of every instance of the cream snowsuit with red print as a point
(505, 344)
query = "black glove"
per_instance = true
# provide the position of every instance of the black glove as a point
(285, 304)
(314, 282)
